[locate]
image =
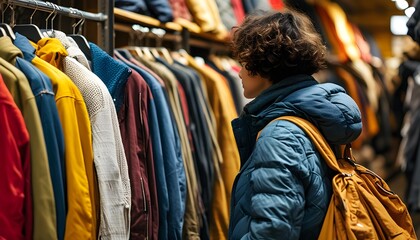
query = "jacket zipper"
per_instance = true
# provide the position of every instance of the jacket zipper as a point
(140, 109)
(144, 195)
(145, 207)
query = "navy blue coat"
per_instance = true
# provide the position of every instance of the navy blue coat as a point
(283, 188)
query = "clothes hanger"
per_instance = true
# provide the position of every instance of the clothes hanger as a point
(221, 61)
(166, 55)
(135, 40)
(124, 53)
(2, 32)
(144, 32)
(8, 30)
(6, 27)
(147, 53)
(45, 32)
(180, 56)
(154, 52)
(162, 51)
(142, 42)
(31, 31)
(152, 48)
(216, 60)
(140, 48)
(135, 51)
(80, 39)
(197, 59)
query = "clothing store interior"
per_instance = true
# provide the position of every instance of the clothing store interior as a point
(164, 68)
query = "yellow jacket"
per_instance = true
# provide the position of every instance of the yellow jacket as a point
(206, 15)
(52, 51)
(78, 150)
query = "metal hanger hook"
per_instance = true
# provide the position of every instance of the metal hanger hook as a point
(32, 15)
(75, 25)
(48, 17)
(78, 23)
(12, 17)
(3, 10)
(56, 8)
(79, 31)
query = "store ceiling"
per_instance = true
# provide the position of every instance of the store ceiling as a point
(370, 14)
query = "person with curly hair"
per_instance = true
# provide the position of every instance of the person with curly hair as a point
(283, 188)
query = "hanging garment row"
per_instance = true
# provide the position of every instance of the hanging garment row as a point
(130, 146)
(105, 38)
(141, 146)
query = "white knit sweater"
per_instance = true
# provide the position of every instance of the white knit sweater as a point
(109, 157)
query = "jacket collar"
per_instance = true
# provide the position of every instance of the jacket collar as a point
(258, 113)
(277, 92)
(105, 67)
(52, 51)
(25, 46)
(8, 51)
(112, 72)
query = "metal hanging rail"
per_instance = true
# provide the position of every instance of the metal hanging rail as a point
(67, 11)
(105, 19)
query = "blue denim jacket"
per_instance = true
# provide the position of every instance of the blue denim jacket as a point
(53, 133)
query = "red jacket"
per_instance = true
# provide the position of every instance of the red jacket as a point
(15, 171)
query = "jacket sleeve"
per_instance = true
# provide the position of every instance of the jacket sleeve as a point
(277, 206)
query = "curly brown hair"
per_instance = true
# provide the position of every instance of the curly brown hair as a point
(276, 45)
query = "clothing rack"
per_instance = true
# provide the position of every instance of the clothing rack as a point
(191, 40)
(105, 17)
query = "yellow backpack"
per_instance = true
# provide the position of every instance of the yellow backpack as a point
(362, 205)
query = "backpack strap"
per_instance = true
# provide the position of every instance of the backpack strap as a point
(316, 137)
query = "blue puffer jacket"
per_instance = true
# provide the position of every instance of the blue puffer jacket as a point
(283, 188)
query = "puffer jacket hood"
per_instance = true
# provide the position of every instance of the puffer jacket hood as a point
(326, 105)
